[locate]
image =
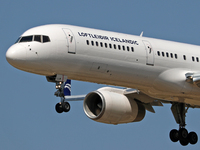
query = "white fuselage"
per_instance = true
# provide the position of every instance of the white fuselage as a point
(156, 67)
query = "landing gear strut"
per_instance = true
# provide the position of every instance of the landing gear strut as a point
(60, 83)
(179, 110)
(62, 106)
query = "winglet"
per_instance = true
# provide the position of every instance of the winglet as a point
(67, 88)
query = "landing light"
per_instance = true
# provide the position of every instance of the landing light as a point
(58, 86)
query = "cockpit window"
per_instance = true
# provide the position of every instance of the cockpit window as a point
(26, 39)
(37, 38)
(45, 39)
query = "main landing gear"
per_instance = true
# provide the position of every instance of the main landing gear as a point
(60, 83)
(179, 110)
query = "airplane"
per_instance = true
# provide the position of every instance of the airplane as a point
(151, 71)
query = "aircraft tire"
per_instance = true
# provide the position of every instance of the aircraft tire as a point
(183, 134)
(184, 142)
(66, 107)
(59, 108)
(174, 135)
(192, 137)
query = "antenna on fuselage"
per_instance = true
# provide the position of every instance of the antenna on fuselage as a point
(141, 34)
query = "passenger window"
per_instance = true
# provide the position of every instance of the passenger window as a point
(184, 57)
(87, 42)
(119, 47)
(92, 42)
(158, 52)
(45, 39)
(176, 56)
(106, 45)
(110, 45)
(97, 44)
(167, 54)
(171, 55)
(101, 44)
(163, 54)
(114, 46)
(127, 48)
(192, 58)
(37, 38)
(26, 39)
(132, 49)
(123, 47)
(197, 58)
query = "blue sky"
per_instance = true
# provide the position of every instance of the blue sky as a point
(27, 116)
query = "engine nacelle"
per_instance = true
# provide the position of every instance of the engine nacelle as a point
(111, 107)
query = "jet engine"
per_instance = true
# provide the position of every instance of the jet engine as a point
(112, 107)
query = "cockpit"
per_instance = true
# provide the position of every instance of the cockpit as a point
(30, 38)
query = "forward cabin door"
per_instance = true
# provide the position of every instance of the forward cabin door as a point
(149, 53)
(71, 46)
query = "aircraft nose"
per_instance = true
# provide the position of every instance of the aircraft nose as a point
(16, 55)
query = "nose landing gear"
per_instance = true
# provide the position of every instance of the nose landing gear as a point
(60, 81)
(62, 107)
(179, 110)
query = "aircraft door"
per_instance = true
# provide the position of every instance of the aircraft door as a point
(70, 40)
(149, 53)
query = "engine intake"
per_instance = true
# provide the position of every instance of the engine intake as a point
(112, 108)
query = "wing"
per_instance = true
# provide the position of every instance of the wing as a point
(147, 101)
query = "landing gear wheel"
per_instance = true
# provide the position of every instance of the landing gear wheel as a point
(183, 134)
(184, 142)
(179, 111)
(192, 137)
(66, 107)
(183, 137)
(59, 108)
(174, 135)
